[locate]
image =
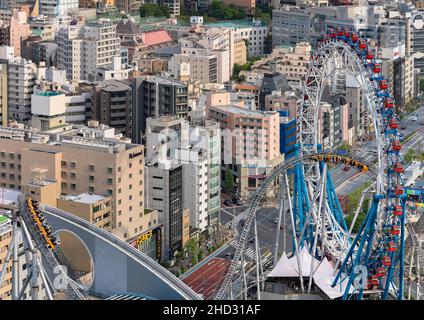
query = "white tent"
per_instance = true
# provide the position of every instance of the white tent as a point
(323, 274)
(287, 268)
(283, 269)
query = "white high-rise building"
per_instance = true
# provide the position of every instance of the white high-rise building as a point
(172, 142)
(83, 49)
(22, 74)
(58, 7)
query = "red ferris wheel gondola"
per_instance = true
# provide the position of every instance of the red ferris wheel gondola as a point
(377, 68)
(395, 231)
(396, 145)
(381, 272)
(370, 55)
(398, 168)
(355, 36)
(399, 190)
(397, 211)
(389, 103)
(384, 85)
(362, 44)
(391, 247)
(347, 33)
(387, 261)
(393, 124)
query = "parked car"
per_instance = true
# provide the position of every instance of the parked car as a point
(228, 203)
(403, 127)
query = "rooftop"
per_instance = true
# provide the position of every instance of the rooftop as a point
(85, 198)
(69, 139)
(9, 197)
(49, 93)
(244, 111)
(3, 219)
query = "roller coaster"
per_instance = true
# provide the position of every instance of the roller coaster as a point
(318, 223)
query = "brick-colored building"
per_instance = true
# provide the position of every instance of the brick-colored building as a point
(251, 144)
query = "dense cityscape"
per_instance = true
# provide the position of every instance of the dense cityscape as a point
(211, 150)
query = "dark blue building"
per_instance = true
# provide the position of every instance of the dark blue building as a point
(287, 134)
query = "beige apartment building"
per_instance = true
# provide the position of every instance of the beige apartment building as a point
(240, 52)
(3, 95)
(251, 144)
(293, 65)
(79, 165)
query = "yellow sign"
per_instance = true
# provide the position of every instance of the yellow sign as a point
(144, 237)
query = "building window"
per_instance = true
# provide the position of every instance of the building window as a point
(73, 186)
(73, 165)
(91, 189)
(90, 178)
(91, 167)
(109, 170)
(109, 181)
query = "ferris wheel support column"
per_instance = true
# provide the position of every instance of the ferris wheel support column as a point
(402, 253)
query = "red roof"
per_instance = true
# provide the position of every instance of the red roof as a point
(153, 38)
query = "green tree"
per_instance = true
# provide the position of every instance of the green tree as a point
(240, 67)
(153, 10)
(217, 9)
(229, 181)
(410, 155)
(422, 85)
(344, 146)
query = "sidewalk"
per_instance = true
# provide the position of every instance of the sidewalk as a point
(206, 259)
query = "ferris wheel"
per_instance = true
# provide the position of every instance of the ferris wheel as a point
(315, 215)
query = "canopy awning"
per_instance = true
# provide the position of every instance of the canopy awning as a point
(323, 274)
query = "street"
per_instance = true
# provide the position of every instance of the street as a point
(346, 182)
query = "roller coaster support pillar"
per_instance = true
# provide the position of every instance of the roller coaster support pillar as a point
(259, 270)
(281, 214)
(320, 207)
(296, 250)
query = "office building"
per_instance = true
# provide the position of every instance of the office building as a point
(78, 164)
(155, 96)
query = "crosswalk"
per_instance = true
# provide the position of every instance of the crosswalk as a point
(249, 252)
